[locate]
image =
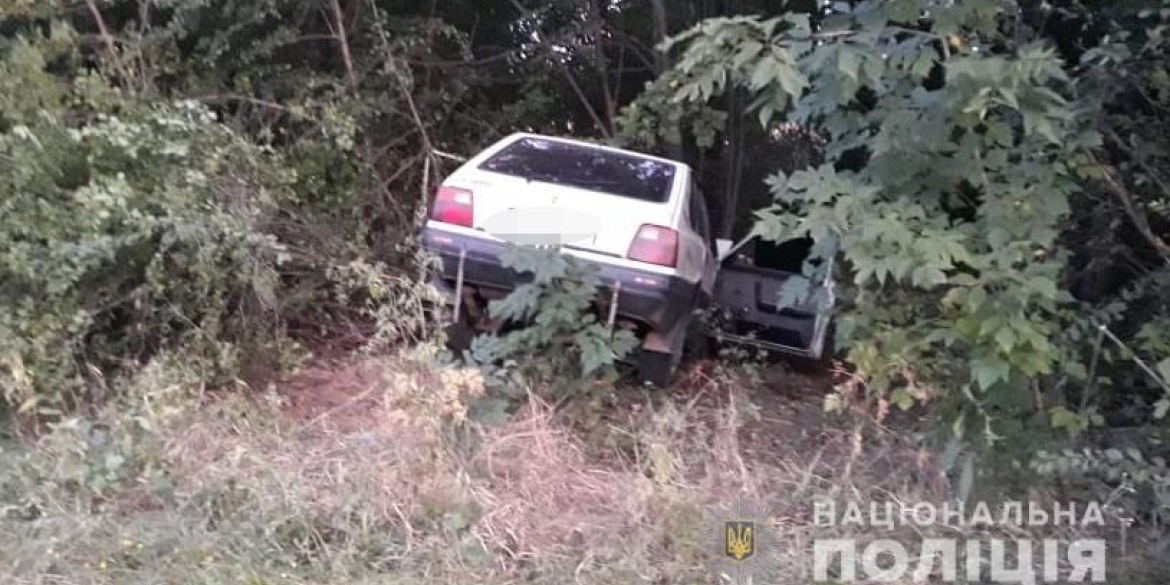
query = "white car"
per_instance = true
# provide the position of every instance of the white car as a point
(642, 221)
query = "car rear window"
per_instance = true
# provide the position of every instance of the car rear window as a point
(584, 167)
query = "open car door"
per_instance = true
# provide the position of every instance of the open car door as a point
(767, 303)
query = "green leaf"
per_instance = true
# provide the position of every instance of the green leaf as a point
(763, 74)
(928, 277)
(517, 305)
(976, 298)
(988, 371)
(1006, 338)
(1164, 370)
(794, 291)
(595, 351)
(748, 50)
(923, 64)
(1161, 407)
(1009, 97)
(847, 62)
(792, 80)
(765, 115)
(801, 180)
(902, 398)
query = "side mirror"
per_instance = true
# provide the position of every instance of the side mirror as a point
(722, 248)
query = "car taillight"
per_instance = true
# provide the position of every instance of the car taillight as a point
(453, 205)
(655, 244)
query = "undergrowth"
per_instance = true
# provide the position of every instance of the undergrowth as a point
(408, 481)
(408, 474)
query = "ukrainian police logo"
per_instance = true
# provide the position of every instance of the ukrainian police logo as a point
(742, 544)
(739, 542)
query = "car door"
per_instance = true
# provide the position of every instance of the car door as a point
(701, 224)
(751, 288)
(828, 300)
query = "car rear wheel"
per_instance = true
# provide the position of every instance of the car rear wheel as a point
(460, 333)
(700, 344)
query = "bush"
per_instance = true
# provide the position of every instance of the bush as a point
(554, 319)
(129, 227)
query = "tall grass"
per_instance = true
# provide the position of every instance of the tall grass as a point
(376, 471)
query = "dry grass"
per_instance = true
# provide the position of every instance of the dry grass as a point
(540, 491)
(368, 471)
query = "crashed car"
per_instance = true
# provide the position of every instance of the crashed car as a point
(641, 220)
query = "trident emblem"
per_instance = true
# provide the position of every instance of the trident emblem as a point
(739, 542)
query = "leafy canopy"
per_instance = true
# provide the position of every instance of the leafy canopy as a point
(950, 227)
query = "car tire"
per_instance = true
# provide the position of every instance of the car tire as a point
(460, 334)
(700, 344)
(657, 368)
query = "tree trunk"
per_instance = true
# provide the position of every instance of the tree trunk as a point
(658, 10)
(610, 100)
(661, 64)
(733, 163)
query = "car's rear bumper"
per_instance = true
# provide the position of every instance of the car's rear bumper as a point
(648, 298)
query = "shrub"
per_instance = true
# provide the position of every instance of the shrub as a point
(556, 321)
(130, 226)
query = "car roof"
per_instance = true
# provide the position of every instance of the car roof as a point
(588, 144)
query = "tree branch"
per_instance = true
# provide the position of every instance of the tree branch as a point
(343, 41)
(567, 75)
(103, 30)
(144, 15)
(1136, 216)
(107, 38)
(1141, 160)
(657, 64)
(428, 146)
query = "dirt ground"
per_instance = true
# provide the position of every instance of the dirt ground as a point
(335, 392)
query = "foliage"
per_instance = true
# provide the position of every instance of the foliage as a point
(654, 118)
(114, 244)
(1125, 92)
(995, 193)
(324, 117)
(88, 459)
(554, 318)
(397, 302)
(218, 181)
(189, 177)
(951, 227)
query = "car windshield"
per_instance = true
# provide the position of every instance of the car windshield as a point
(584, 167)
